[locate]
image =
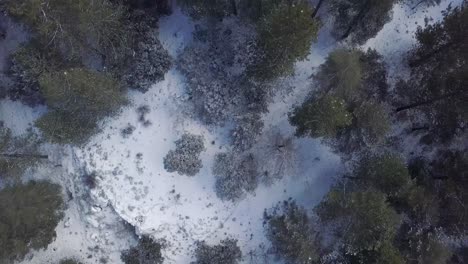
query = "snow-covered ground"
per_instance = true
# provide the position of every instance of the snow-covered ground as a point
(185, 209)
(132, 182)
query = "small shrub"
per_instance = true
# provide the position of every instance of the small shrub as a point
(227, 252)
(185, 159)
(69, 261)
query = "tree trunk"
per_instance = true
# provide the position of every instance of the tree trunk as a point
(16, 156)
(365, 8)
(427, 102)
(234, 7)
(417, 62)
(419, 128)
(317, 8)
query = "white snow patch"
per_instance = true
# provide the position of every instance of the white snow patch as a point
(17, 116)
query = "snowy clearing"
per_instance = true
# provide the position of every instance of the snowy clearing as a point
(133, 185)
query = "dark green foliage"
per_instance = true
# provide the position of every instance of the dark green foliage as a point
(388, 254)
(386, 172)
(439, 70)
(289, 230)
(341, 74)
(257, 9)
(360, 20)
(75, 26)
(209, 8)
(27, 65)
(321, 117)
(452, 168)
(346, 108)
(78, 98)
(285, 36)
(147, 251)
(353, 75)
(253, 9)
(364, 218)
(99, 34)
(373, 121)
(226, 252)
(29, 214)
(421, 205)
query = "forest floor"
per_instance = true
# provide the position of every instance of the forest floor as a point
(132, 184)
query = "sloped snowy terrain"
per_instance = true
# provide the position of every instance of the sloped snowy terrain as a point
(133, 185)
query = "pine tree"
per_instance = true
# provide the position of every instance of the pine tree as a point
(364, 219)
(341, 74)
(385, 172)
(76, 26)
(289, 230)
(321, 117)
(360, 20)
(78, 98)
(439, 70)
(29, 214)
(285, 36)
(357, 80)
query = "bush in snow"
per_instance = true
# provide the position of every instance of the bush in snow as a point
(246, 131)
(29, 214)
(147, 251)
(185, 159)
(69, 261)
(227, 252)
(289, 230)
(235, 175)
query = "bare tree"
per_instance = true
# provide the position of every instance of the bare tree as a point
(277, 155)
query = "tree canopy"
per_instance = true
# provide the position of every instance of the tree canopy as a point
(290, 232)
(285, 36)
(29, 214)
(365, 220)
(439, 70)
(77, 99)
